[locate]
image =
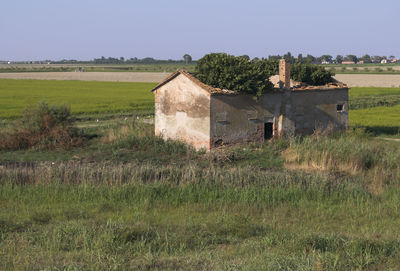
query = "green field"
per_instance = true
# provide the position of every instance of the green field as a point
(375, 108)
(83, 97)
(372, 107)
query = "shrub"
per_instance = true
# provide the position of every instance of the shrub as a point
(43, 127)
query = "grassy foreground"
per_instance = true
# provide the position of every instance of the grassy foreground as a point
(281, 221)
(130, 201)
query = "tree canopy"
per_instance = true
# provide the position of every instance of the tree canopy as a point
(242, 75)
(187, 58)
(311, 74)
(239, 74)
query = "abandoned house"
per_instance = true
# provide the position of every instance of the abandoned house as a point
(207, 117)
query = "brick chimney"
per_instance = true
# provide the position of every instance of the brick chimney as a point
(284, 73)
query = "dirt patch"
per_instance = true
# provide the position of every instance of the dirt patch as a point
(90, 76)
(369, 80)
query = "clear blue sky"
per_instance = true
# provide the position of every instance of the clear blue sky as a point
(85, 29)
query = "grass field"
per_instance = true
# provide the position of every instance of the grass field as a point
(376, 108)
(373, 107)
(83, 97)
(130, 201)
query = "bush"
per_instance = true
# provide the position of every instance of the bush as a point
(44, 127)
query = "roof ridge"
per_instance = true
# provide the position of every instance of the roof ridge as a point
(204, 86)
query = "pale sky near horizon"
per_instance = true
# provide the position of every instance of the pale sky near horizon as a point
(87, 29)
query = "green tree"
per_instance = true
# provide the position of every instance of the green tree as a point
(327, 58)
(225, 71)
(351, 58)
(311, 74)
(366, 58)
(339, 59)
(310, 59)
(289, 57)
(187, 58)
(300, 58)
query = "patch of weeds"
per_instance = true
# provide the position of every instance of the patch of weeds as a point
(106, 207)
(263, 155)
(75, 214)
(41, 217)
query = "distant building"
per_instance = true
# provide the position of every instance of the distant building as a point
(206, 117)
(348, 62)
(384, 61)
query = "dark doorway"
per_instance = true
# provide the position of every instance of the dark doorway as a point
(268, 130)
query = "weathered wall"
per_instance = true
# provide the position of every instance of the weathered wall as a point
(239, 118)
(318, 109)
(182, 111)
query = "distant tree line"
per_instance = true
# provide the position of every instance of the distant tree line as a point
(328, 59)
(187, 59)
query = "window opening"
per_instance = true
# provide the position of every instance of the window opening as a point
(268, 130)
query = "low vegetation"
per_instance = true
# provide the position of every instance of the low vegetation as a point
(45, 126)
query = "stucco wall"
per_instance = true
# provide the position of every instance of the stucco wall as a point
(239, 118)
(318, 109)
(182, 111)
